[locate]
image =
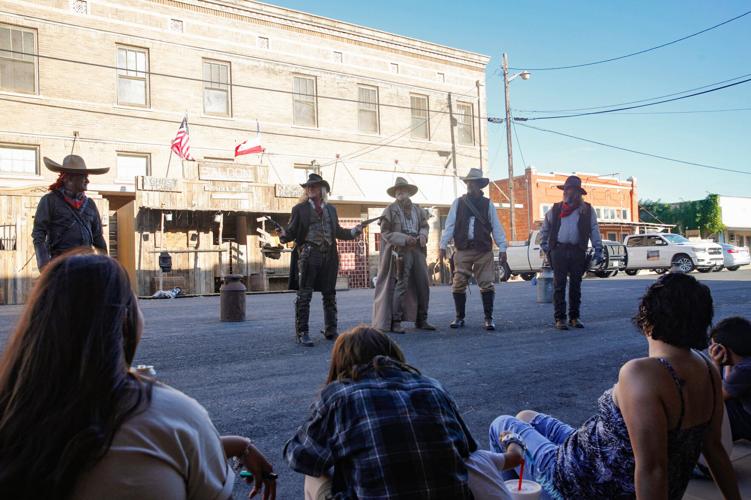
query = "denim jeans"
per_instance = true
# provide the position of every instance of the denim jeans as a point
(543, 435)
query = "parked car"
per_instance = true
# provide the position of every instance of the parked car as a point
(660, 251)
(526, 259)
(735, 257)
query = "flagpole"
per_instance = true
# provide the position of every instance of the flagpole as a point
(169, 161)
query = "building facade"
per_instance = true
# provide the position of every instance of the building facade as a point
(736, 217)
(112, 81)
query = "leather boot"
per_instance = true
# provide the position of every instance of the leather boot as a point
(329, 316)
(423, 324)
(304, 339)
(460, 304)
(302, 314)
(396, 327)
(560, 324)
(575, 323)
(487, 305)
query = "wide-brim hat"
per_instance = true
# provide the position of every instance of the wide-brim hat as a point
(475, 174)
(572, 182)
(73, 164)
(314, 179)
(401, 183)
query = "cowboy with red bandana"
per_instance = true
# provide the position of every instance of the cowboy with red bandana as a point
(66, 218)
(566, 232)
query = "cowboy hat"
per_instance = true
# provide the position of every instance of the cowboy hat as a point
(314, 179)
(73, 164)
(475, 174)
(572, 182)
(401, 183)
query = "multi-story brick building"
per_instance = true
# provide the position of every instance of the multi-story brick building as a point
(616, 201)
(356, 104)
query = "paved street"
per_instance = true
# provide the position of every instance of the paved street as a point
(255, 381)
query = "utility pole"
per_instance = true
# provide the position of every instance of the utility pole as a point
(512, 228)
(453, 143)
(479, 122)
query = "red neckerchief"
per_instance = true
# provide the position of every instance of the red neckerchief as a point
(317, 204)
(76, 203)
(567, 209)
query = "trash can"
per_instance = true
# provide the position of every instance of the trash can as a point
(232, 298)
(545, 285)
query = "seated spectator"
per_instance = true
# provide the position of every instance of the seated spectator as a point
(382, 430)
(77, 423)
(651, 426)
(731, 350)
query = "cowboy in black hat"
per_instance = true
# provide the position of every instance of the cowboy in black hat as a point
(566, 232)
(403, 285)
(66, 218)
(471, 222)
(314, 227)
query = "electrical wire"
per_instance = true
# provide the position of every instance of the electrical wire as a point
(611, 59)
(553, 117)
(691, 111)
(518, 144)
(702, 165)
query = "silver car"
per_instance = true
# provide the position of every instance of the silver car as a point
(735, 257)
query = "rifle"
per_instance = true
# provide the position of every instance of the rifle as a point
(271, 221)
(370, 221)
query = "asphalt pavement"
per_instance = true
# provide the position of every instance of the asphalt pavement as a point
(255, 381)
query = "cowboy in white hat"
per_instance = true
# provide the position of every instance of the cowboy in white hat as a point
(471, 223)
(403, 285)
(566, 232)
(66, 218)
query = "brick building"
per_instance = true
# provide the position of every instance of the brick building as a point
(358, 105)
(616, 202)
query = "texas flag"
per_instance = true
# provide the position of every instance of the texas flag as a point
(250, 146)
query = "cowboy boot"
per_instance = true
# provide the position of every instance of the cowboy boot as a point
(329, 316)
(396, 327)
(487, 305)
(302, 314)
(575, 323)
(460, 304)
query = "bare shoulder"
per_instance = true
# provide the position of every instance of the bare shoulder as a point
(639, 370)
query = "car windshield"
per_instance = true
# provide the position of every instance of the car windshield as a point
(675, 238)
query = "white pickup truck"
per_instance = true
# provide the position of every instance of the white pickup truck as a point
(525, 259)
(660, 251)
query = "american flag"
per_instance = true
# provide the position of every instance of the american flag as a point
(181, 142)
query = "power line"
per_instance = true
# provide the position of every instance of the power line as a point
(518, 144)
(602, 61)
(635, 151)
(633, 102)
(691, 111)
(636, 106)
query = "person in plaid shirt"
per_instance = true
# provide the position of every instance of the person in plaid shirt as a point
(382, 430)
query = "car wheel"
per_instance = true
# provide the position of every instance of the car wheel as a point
(683, 263)
(717, 269)
(705, 270)
(602, 274)
(733, 268)
(660, 271)
(612, 274)
(632, 272)
(504, 272)
(528, 276)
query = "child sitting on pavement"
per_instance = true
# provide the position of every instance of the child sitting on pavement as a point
(731, 350)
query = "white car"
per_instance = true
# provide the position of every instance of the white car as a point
(735, 257)
(661, 251)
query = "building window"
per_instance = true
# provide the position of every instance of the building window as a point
(302, 171)
(545, 208)
(132, 76)
(18, 160)
(465, 123)
(338, 56)
(367, 109)
(420, 118)
(394, 68)
(132, 165)
(441, 77)
(304, 107)
(7, 237)
(18, 64)
(612, 237)
(217, 88)
(263, 42)
(79, 6)
(624, 214)
(176, 25)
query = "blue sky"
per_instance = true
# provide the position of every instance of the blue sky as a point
(540, 34)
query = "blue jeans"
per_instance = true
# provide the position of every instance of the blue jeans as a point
(543, 435)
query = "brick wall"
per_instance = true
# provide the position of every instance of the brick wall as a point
(353, 258)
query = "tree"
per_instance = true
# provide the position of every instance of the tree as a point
(704, 215)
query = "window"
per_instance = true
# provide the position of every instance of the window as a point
(18, 65)
(612, 237)
(302, 171)
(598, 211)
(79, 6)
(176, 25)
(420, 119)
(624, 214)
(545, 208)
(18, 160)
(367, 109)
(636, 241)
(338, 56)
(441, 77)
(132, 76)
(394, 68)
(304, 108)
(263, 42)
(465, 123)
(130, 166)
(612, 213)
(8, 237)
(217, 89)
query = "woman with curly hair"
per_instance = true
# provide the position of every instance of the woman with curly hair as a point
(650, 428)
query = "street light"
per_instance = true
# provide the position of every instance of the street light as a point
(524, 75)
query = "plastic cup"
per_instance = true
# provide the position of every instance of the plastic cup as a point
(530, 489)
(147, 370)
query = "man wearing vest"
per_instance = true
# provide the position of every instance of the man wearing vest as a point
(314, 227)
(471, 222)
(566, 231)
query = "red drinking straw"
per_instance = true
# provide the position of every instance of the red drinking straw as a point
(521, 475)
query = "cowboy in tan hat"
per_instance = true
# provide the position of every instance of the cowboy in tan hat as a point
(66, 218)
(566, 232)
(314, 227)
(473, 225)
(403, 284)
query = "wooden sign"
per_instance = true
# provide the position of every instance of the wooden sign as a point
(226, 172)
(159, 184)
(288, 190)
